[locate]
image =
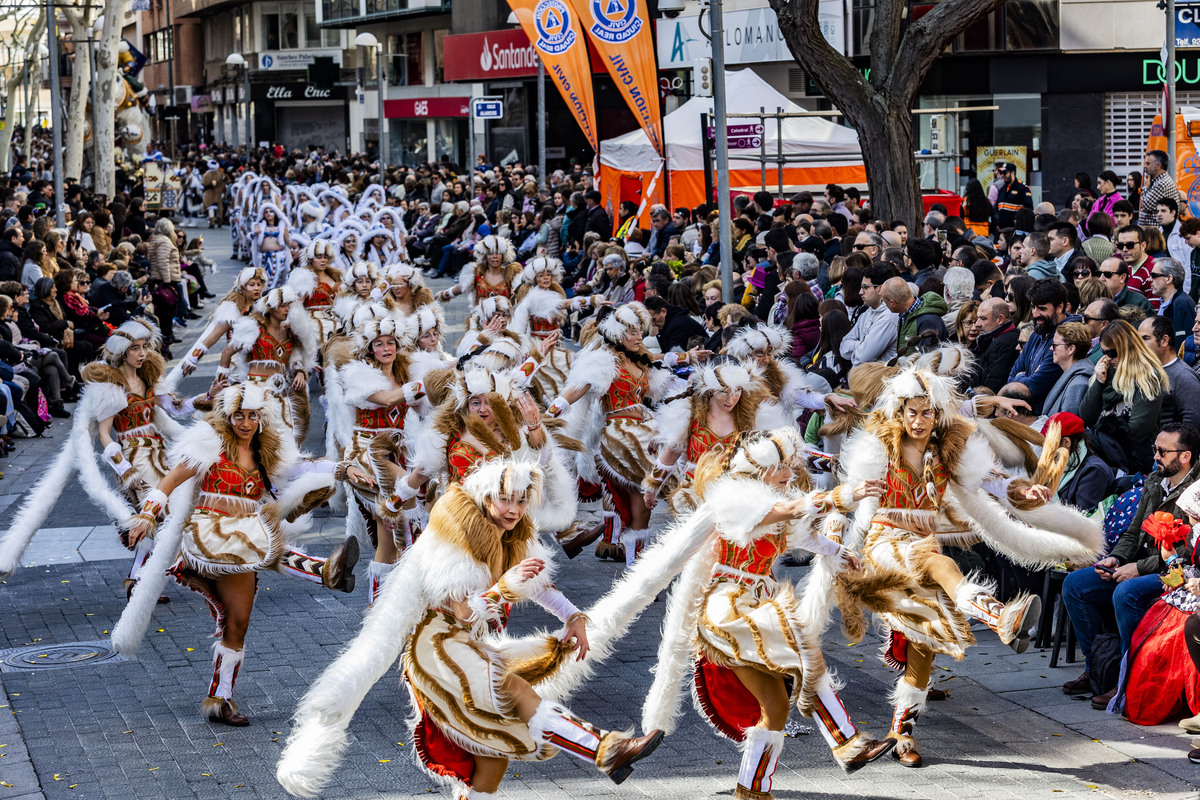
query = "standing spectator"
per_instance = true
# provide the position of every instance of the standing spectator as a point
(1098, 244)
(1109, 196)
(958, 289)
(804, 321)
(873, 337)
(1012, 197)
(663, 229)
(1177, 246)
(1189, 229)
(1181, 402)
(1064, 247)
(598, 220)
(1096, 316)
(1161, 184)
(1122, 405)
(1035, 257)
(165, 276)
(1127, 580)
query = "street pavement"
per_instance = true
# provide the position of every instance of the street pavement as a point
(96, 727)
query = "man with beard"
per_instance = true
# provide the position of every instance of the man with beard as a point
(1035, 366)
(1127, 582)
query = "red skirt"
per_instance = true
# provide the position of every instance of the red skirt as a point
(1163, 683)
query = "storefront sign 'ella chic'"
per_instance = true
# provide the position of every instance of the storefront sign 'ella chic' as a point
(289, 93)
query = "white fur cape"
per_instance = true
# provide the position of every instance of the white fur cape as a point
(100, 401)
(539, 303)
(360, 380)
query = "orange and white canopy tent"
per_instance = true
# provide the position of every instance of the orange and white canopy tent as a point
(628, 163)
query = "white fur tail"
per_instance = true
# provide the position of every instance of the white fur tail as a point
(34, 511)
(817, 597)
(318, 736)
(131, 627)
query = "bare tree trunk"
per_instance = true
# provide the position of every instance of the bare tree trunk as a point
(879, 109)
(81, 82)
(104, 126)
(33, 87)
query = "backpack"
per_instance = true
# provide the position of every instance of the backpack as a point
(1105, 669)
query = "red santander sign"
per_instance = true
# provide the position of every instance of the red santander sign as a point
(487, 56)
(494, 55)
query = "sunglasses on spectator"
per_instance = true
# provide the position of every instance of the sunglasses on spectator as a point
(1082, 273)
(1159, 275)
(1108, 273)
(1126, 245)
(1111, 355)
(862, 246)
(1162, 451)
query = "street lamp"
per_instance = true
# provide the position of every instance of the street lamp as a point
(236, 61)
(368, 40)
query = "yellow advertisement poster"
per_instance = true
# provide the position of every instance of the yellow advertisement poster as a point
(986, 157)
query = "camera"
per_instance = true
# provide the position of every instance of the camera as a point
(671, 8)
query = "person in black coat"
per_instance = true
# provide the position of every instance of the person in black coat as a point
(598, 220)
(135, 220)
(675, 328)
(996, 347)
(11, 254)
(116, 296)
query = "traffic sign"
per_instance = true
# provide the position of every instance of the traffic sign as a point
(750, 129)
(487, 108)
(745, 142)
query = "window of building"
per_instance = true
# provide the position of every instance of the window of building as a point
(1018, 25)
(158, 45)
(1127, 120)
(293, 26)
(405, 61)
(270, 31)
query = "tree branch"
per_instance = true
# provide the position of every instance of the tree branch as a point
(799, 22)
(885, 39)
(927, 38)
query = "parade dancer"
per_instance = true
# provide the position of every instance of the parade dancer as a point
(492, 275)
(476, 693)
(316, 282)
(275, 346)
(616, 375)
(942, 486)
(737, 632)
(270, 243)
(404, 291)
(247, 288)
(126, 407)
(228, 503)
(377, 388)
(765, 346)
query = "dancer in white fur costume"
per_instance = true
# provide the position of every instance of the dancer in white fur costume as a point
(475, 692)
(404, 291)
(738, 633)
(943, 485)
(247, 288)
(315, 281)
(227, 503)
(614, 374)
(269, 243)
(493, 274)
(377, 389)
(358, 283)
(541, 309)
(126, 407)
(766, 346)
(725, 400)
(276, 347)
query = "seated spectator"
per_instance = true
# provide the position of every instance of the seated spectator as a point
(677, 332)
(804, 321)
(1181, 403)
(1127, 581)
(1021, 411)
(920, 325)
(873, 337)
(1087, 479)
(964, 329)
(1122, 404)
(1035, 366)
(1071, 345)
(995, 345)
(1166, 280)
(1115, 274)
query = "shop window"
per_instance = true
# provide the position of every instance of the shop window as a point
(289, 28)
(1127, 117)
(439, 63)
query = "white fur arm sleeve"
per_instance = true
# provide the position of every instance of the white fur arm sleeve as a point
(807, 398)
(558, 407)
(997, 485)
(404, 493)
(192, 359)
(414, 391)
(554, 601)
(804, 538)
(115, 458)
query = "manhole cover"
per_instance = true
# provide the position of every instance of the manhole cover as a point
(58, 656)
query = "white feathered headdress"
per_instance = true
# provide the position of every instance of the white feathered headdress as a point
(502, 478)
(402, 272)
(315, 248)
(476, 380)
(361, 269)
(427, 318)
(913, 382)
(134, 330)
(615, 324)
(729, 375)
(761, 451)
(249, 396)
(276, 298)
(494, 244)
(749, 342)
(489, 307)
(313, 210)
(371, 328)
(248, 274)
(539, 264)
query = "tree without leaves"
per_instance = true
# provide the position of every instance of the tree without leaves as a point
(79, 16)
(19, 51)
(879, 109)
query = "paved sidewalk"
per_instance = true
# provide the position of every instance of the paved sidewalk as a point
(128, 730)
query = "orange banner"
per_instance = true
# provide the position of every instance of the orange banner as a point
(620, 32)
(554, 29)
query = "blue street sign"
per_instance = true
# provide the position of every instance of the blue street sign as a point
(487, 108)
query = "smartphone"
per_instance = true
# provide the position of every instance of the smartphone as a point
(1102, 568)
(940, 236)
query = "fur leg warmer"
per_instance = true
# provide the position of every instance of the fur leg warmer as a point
(556, 725)
(760, 757)
(141, 552)
(635, 542)
(1011, 620)
(226, 664)
(908, 702)
(832, 719)
(376, 572)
